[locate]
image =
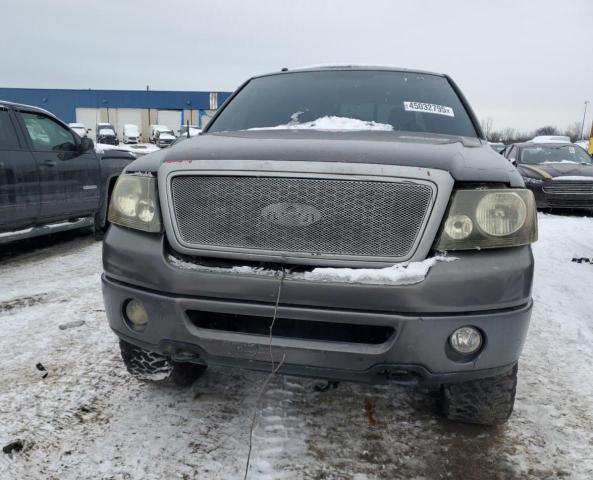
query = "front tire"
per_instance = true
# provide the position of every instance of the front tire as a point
(155, 368)
(487, 401)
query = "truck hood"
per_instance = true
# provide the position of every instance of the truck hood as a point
(466, 159)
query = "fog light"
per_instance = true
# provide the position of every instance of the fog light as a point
(466, 340)
(136, 314)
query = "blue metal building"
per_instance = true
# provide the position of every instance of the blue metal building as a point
(109, 105)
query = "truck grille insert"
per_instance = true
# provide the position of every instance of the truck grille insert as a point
(300, 215)
(291, 328)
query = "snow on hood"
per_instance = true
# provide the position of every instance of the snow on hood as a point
(562, 161)
(166, 136)
(332, 123)
(406, 273)
(137, 149)
(106, 131)
(576, 178)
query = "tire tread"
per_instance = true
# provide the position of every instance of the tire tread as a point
(487, 401)
(155, 368)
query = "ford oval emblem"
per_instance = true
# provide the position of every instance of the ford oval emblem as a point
(291, 214)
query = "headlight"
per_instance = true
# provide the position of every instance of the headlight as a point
(134, 203)
(489, 219)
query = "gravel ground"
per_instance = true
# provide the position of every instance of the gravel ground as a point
(87, 419)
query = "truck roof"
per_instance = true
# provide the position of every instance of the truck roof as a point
(346, 67)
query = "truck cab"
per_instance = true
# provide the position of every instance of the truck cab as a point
(49, 175)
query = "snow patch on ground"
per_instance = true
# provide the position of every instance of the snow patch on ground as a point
(89, 419)
(332, 123)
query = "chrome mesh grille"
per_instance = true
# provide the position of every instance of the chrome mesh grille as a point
(571, 187)
(335, 217)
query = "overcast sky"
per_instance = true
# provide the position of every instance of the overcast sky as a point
(524, 63)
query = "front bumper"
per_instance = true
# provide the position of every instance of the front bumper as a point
(489, 290)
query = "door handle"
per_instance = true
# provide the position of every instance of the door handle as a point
(49, 163)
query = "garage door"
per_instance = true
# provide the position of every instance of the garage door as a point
(90, 117)
(171, 118)
(127, 116)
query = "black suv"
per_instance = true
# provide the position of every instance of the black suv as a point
(50, 178)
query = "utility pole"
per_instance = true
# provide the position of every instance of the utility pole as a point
(583, 125)
(148, 101)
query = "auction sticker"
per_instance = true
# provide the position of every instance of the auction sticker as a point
(428, 108)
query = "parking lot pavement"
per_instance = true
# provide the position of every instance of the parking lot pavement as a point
(82, 416)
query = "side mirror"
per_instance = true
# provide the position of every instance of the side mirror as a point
(513, 161)
(86, 144)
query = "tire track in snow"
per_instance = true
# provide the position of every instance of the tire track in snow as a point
(278, 433)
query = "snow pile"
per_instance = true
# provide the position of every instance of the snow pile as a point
(332, 123)
(406, 273)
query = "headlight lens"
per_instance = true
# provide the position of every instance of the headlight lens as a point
(134, 203)
(459, 227)
(500, 214)
(489, 218)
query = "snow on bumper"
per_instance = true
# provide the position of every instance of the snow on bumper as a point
(407, 273)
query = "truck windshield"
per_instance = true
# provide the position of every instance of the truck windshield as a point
(348, 100)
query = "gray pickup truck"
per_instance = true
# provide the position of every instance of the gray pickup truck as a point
(50, 178)
(342, 223)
